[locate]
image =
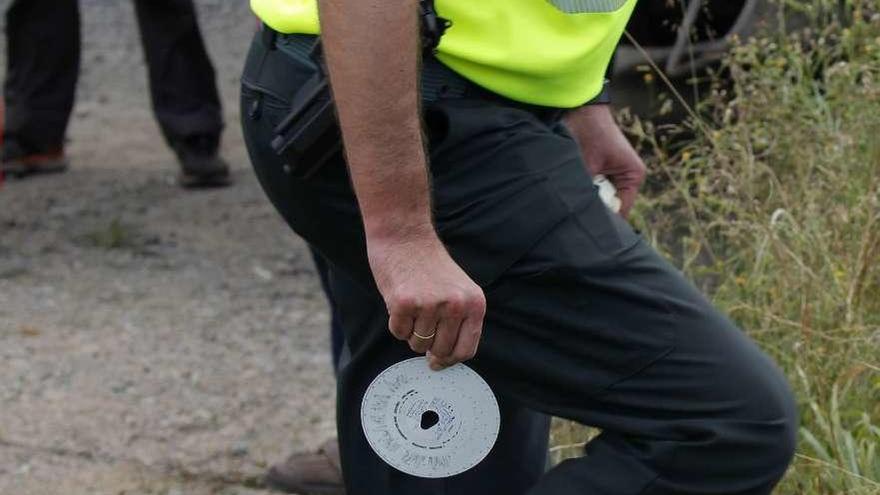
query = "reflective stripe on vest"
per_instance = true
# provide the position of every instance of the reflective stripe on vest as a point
(588, 6)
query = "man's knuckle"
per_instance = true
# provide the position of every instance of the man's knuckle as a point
(474, 334)
(479, 296)
(440, 352)
(477, 305)
(462, 355)
(455, 308)
(456, 299)
(405, 303)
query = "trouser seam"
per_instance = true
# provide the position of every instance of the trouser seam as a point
(650, 485)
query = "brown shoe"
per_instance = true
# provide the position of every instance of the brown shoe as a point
(309, 473)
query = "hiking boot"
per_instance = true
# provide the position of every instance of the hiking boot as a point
(18, 162)
(309, 473)
(200, 164)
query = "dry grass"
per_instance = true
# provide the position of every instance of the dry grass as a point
(772, 204)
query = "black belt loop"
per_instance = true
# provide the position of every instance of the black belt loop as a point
(433, 26)
(270, 36)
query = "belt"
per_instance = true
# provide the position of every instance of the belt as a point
(438, 82)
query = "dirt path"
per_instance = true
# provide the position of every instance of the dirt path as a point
(152, 341)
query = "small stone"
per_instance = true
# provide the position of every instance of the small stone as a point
(263, 273)
(240, 449)
(13, 268)
(29, 331)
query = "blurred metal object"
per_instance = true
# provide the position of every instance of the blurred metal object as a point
(686, 47)
(660, 69)
(707, 51)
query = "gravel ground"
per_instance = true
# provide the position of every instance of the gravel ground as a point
(152, 341)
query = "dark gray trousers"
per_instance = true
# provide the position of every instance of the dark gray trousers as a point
(585, 320)
(43, 57)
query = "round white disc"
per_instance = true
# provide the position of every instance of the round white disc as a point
(431, 424)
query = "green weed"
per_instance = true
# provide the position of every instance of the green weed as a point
(114, 235)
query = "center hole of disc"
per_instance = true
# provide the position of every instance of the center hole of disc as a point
(429, 419)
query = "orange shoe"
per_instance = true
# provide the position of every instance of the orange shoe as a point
(18, 163)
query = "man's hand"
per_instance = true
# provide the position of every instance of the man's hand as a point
(372, 50)
(432, 303)
(607, 151)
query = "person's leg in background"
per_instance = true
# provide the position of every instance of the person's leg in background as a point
(183, 88)
(43, 43)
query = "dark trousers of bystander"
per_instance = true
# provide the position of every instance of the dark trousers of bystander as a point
(43, 64)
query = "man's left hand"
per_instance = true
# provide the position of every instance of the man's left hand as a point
(606, 151)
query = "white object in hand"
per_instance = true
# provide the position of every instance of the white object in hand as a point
(431, 424)
(607, 192)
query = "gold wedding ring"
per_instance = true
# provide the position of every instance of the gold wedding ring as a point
(425, 337)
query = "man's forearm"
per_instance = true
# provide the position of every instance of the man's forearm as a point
(372, 53)
(589, 120)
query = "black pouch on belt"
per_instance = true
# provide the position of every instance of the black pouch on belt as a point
(309, 136)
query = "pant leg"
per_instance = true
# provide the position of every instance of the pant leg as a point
(516, 462)
(337, 338)
(182, 79)
(522, 445)
(43, 43)
(687, 404)
(585, 321)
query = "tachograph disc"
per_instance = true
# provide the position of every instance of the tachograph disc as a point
(431, 424)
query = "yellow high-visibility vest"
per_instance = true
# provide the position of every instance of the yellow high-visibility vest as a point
(544, 52)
